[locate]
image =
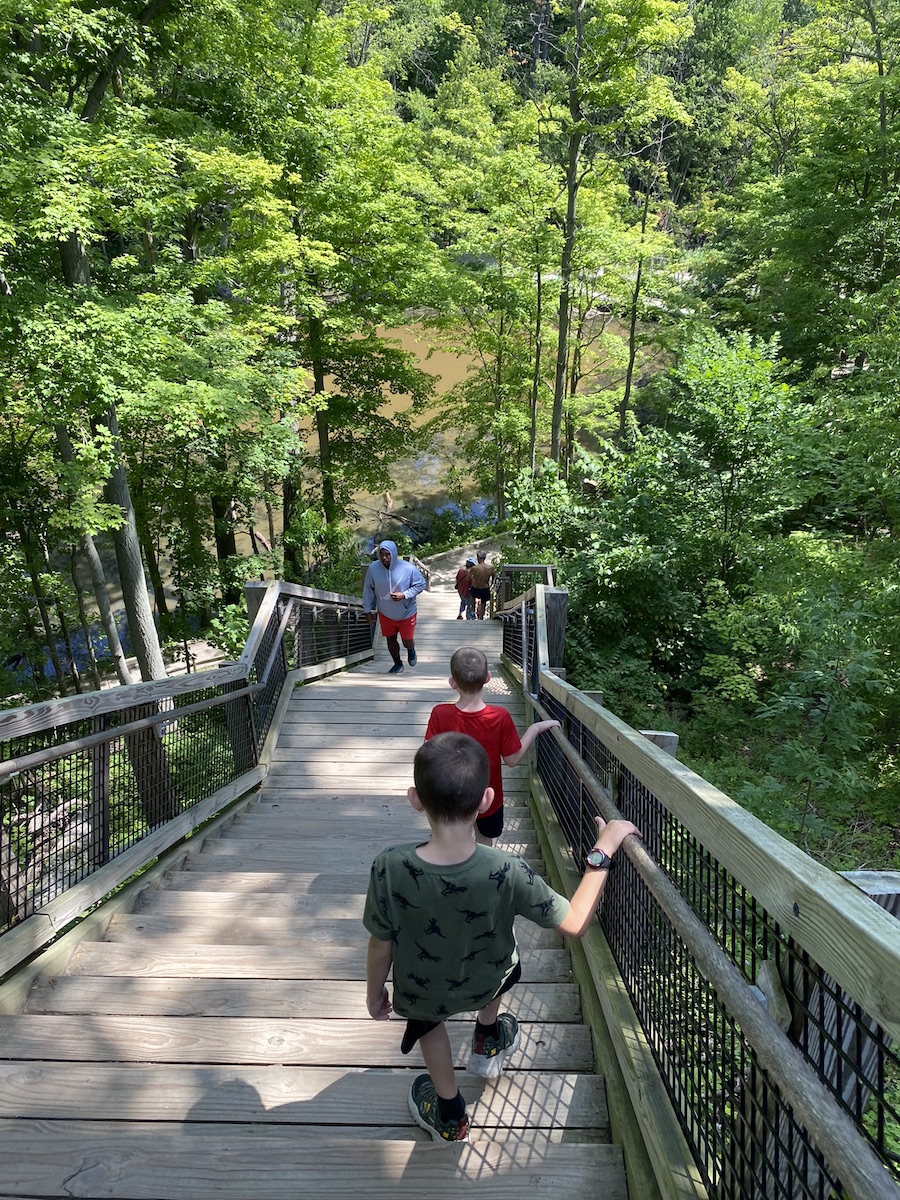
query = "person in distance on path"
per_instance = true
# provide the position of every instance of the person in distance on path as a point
(464, 587)
(480, 577)
(390, 589)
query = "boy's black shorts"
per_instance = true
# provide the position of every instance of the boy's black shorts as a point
(416, 1029)
(492, 825)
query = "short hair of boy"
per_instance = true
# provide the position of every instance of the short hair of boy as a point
(469, 668)
(451, 773)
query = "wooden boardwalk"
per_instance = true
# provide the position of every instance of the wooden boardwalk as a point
(215, 1043)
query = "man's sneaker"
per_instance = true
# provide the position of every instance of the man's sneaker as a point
(396, 669)
(488, 1053)
(412, 658)
(423, 1106)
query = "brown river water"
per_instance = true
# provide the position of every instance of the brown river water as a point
(417, 483)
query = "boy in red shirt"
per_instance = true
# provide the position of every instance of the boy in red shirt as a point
(489, 724)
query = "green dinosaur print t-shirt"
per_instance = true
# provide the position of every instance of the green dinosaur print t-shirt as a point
(452, 927)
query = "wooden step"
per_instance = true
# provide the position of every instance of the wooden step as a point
(160, 957)
(135, 1161)
(238, 929)
(349, 1042)
(295, 1096)
(279, 998)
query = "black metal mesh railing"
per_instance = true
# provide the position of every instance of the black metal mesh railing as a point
(321, 633)
(86, 792)
(515, 579)
(519, 633)
(73, 797)
(745, 1138)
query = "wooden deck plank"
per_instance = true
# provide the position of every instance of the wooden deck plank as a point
(238, 929)
(287, 1095)
(311, 824)
(545, 1046)
(330, 851)
(305, 858)
(216, 874)
(280, 998)
(144, 1162)
(161, 957)
(171, 900)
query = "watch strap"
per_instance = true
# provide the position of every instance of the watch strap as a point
(598, 860)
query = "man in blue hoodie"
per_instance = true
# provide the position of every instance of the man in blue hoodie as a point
(391, 587)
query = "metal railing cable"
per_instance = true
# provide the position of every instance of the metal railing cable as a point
(752, 1101)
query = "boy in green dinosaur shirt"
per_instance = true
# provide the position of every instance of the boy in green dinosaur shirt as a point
(441, 914)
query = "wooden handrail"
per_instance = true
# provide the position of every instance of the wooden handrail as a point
(50, 714)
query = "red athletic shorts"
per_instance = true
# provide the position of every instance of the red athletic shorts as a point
(406, 629)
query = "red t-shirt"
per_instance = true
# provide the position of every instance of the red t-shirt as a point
(492, 727)
(463, 585)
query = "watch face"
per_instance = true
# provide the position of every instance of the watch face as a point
(599, 859)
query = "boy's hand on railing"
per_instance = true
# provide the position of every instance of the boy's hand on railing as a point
(611, 835)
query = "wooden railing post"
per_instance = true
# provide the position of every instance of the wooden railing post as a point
(557, 607)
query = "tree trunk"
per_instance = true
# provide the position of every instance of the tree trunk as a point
(131, 568)
(84, 622)
(73, 257)
(536, 377)
(323, 424)
(101, 595)
(149, 553)
(226, 544)
(63, 624)
(98, 576)
(632, 325)
(28, 549)
(573, 182)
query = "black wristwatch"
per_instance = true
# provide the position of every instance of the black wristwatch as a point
(598, 859)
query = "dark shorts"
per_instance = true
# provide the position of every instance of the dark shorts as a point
(416, 1029)
(481, 593)
(492, 825)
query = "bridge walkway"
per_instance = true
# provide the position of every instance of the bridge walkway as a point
(215, 1041)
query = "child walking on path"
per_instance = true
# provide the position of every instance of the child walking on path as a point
(489, 724)
(441, 914)
(464, 587)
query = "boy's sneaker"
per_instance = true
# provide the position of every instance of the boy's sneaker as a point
(489, 1052)
(412, 658)
(423, 1106)
(396, 669)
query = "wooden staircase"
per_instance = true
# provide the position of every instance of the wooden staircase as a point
(215, 1043)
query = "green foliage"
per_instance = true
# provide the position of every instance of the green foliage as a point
(228, 630)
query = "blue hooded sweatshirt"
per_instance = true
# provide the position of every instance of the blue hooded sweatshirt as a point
(401, 576)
